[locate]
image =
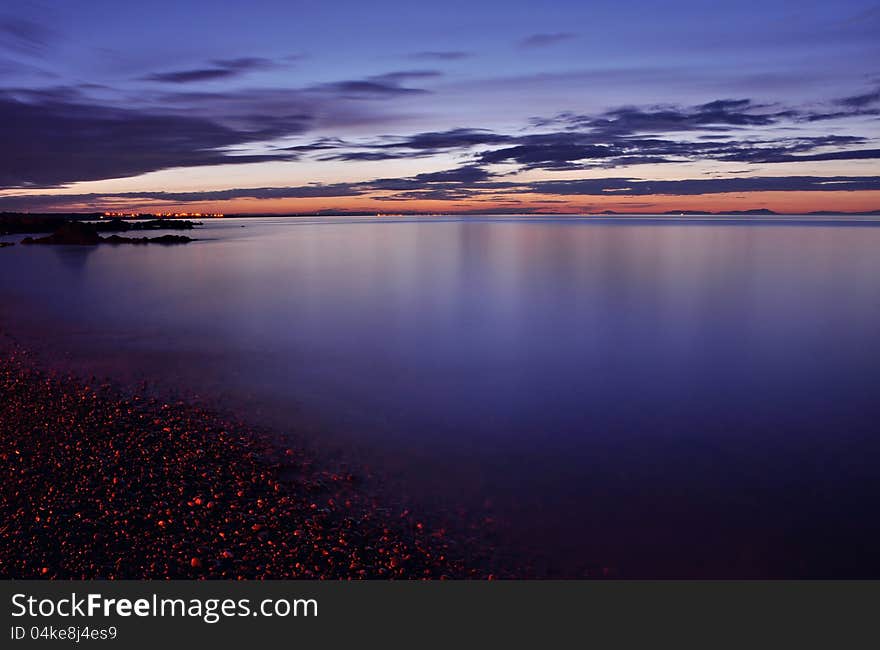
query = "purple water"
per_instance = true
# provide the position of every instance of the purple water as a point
(654, 397)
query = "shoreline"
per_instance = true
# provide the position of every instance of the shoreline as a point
(111, 482)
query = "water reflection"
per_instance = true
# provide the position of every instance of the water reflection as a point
(663, 398)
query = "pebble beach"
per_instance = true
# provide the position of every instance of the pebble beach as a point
(109, 483)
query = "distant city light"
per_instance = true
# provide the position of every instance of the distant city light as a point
(161, 215)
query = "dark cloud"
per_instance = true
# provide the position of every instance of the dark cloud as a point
(718, 115)
(548, 156)
(617, 138)
(300, 192)
(58, 135)
(63, 134)
(839, 115)
(467, 175)
(458, 181)
(220, 69)
(690, 187)
(419, 145)
(98, 201)
(857, 154)
(378, 86)
(543, 40)
(246, 63)
(448, 185)
(860, 101)
(471, 183)
(331, 105)
(778, 155)
(442, 55)
(59, 140)
(406, 75)
(442, 194)
(371, 156)
(321, 144)
(368, 88)
(187, 76)
(568, 150)
(451, 139)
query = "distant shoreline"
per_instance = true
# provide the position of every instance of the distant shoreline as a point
(607, 213)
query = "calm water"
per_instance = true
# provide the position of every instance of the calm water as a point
(658, 398)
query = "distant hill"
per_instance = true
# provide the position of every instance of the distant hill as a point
(822, 213)
(756, 211)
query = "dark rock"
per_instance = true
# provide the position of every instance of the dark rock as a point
(120, 225)
(171, 239)
(164, 239)
(77, 233)
(14, 223)
(72, 233)
(113, 225)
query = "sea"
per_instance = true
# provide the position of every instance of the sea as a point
(647, 396)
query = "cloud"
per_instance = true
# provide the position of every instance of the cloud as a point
(461, 176)
(460, 180)
(451, 139)
(23, 35)
(448, 185)
(60, 135)
(59, 140)
(388, 84)
(368, 88)
(616, 138)
(781, 155)
(12, 66)
(568, 150)
(544, 40)
(862, 100)
(469, 182)
(722, 114)
(442, 55)
(265, 111)
(418, 145)
(187, 76)
(98, 201)
(406, 75)
(220, 69)
(558, 155)
(690, 187)
(299, 192)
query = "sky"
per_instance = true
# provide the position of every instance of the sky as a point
(483, 106)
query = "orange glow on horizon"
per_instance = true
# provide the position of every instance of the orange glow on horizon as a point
(782, 202)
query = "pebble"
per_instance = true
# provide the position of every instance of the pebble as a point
(104, 483)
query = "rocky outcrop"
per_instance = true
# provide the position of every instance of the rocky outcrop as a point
(17, 223)
(72, 233)
(13, 223)
(77, 233)
(120, 225)
(164, 239)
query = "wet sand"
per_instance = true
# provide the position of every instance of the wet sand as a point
(110, 482)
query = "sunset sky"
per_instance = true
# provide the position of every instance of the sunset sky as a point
(273, 106)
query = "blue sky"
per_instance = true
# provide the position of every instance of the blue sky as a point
(452, 106)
